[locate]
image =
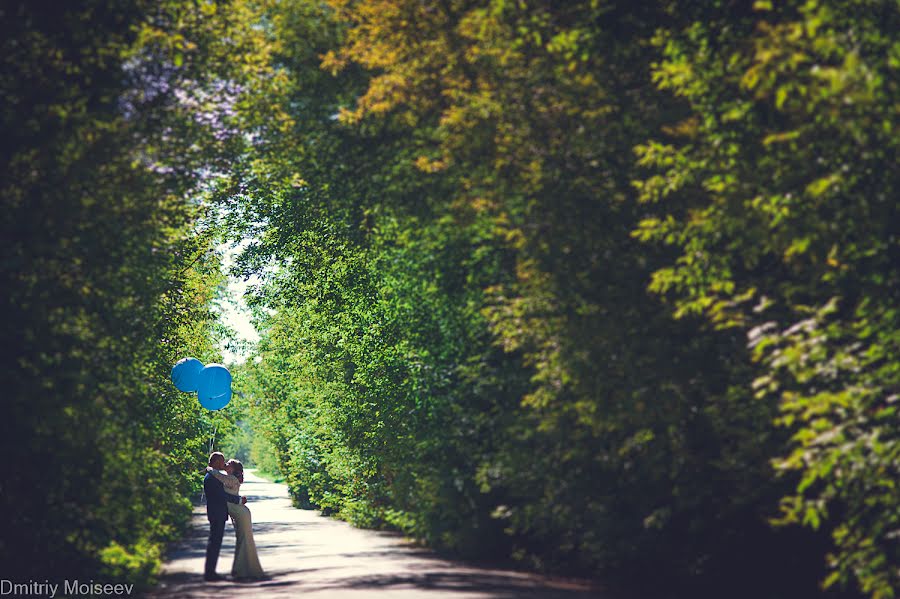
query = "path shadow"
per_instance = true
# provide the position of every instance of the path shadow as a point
(268, 527)
(496, 586)
(260, 496)
(290, 583)
(185, 585)
(305, 554)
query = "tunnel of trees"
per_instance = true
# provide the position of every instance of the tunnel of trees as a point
(597, 288)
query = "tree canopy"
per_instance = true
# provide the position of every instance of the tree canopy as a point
(601, 288)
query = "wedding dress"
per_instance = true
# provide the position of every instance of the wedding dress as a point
(246, 560)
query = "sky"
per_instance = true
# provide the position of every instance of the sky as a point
(234, 311)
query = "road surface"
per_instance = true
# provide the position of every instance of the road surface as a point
(310, 555)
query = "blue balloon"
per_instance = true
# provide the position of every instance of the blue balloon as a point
(216, 403)
(186, 374)
(214, 387)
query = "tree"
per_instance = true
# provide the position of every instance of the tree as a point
(777, 192)
(108, 273)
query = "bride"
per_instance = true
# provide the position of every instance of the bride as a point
(246, 560)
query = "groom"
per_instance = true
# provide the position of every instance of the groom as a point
(217, 513)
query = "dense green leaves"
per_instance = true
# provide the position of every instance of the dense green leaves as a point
(108, 276)
(458, 237)
(781, 196)
(600, 287)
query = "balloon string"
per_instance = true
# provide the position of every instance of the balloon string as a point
(212, 439)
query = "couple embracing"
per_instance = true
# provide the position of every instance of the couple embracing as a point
(222, 500)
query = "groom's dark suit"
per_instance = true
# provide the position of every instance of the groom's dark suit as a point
(217, 513)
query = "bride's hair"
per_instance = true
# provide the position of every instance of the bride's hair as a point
(238, 469)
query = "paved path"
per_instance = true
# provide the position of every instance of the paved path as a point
(309, 555)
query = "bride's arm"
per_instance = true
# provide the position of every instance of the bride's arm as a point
(229, 479)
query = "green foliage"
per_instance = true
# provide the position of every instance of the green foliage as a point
(137, 563)
(239, 444)
(780, 196)
(599, 287)
(458, 340)
(263, 458)
(108, 276)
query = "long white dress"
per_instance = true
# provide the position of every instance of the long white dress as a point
(246, 560)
